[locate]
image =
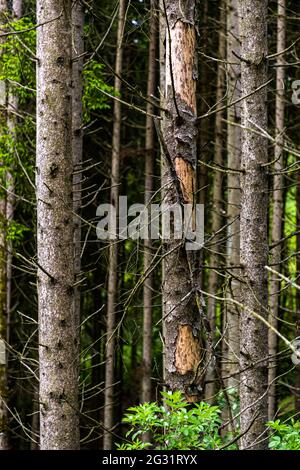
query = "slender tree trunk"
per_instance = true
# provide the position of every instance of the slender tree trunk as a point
(231, 314)
(58, 335)
(277, 205)
(149, 168)
(113, 250)
(254, 243)
(77, 141)
(180, 310)
(163, 168)
(3, 311)
(204, 129)
(77, 146)
(12, 121)
(204, 91)
(297, 322)
(217, 216)
(233, 191)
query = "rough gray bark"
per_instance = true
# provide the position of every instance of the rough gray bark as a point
(58, 335)
(113, 249)
(77, 141)
(3, 312)
(12, 109)
(254, 243)
(17, 8)
(233, 192)
(149, 167)
(181, 315)
(277, 204)
(217, 217)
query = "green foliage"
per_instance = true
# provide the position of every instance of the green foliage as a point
(15, 232)
(222, 399)
(233, 396)
(286, 436)
(93, 99)
(17, 64)
(5, 146)
(176, 425)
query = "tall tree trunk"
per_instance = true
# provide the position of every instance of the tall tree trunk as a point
(113, 250)
(3, 311)
(254, 243)
(180, 310)
(12, 121)
(77, 141)
(233, 191)
(277, 205)
(77, 146)
(204, 91)
(217, 217)
(149, 168)
(231, 343)
(163, 166)
(296, 321)
(204, 125)
(58, 335)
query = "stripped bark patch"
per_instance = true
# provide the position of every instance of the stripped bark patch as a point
(186, 174)
(187, 350)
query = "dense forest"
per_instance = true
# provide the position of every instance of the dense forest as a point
(149, 225)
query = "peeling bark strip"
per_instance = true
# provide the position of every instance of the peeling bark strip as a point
(58, 335)
(254, 243)
(182, 322)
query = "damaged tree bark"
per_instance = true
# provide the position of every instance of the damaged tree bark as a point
(181, 312)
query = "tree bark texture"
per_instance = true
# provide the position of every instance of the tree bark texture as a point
(254, 243)
(58, 332)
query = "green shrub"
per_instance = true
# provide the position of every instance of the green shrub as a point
(286, 435)
(176, 425)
